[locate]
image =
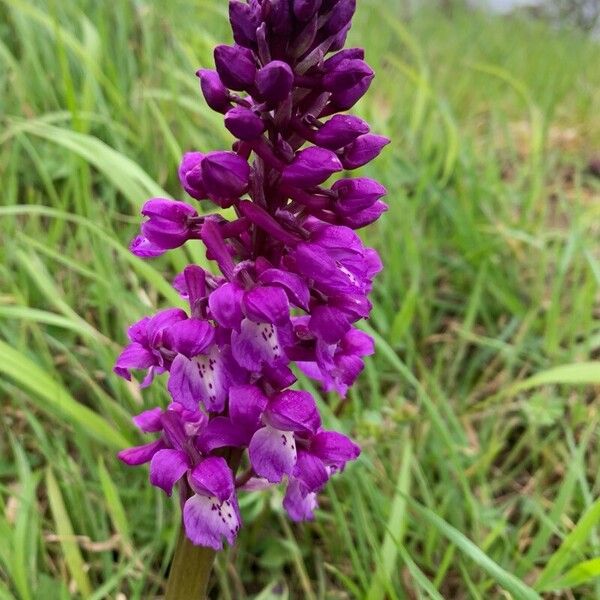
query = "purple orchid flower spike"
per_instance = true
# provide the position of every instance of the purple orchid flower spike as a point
(293, 277)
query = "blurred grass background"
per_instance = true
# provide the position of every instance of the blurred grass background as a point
(478, 415)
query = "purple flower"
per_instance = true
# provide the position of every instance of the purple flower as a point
(292, 277)
(272, 449)
(212, 512)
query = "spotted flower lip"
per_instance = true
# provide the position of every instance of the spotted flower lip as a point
(292, 278)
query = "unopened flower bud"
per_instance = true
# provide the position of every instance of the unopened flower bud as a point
(339, 16)
(168, 225)
(243, 123)
(339, 131)
(244, 20)
(274, 81)
(225, 177)
(311, 167)
(235, 66)
(346, 74)
(356, 194)
(213, 90)
(305, 9)
(363, 150)
(190, 175)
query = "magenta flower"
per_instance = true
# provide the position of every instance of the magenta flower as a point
(294, 277)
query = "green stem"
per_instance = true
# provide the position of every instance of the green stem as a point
(190, 571)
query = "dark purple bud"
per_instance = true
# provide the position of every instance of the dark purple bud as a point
(280, 17)
(363, 150)
(235, 66)
(305, 9)
(168, 225)
(356, 194)
(346, 74)
(347, 54)
(225, 176)
(339, 131)
(364, 217)
(244, 123)
(274, 81)
(213, 90)
(339, 16)
(244, 19)
(340, 39)
(190, 175)
(311, 167)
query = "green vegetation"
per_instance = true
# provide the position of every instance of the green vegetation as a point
(478, 416)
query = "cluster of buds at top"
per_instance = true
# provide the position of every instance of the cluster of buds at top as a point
(294, 275)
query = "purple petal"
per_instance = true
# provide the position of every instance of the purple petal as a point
(246, 405)
(214, 379)
(334, 448)
(293, 410)
(295, 287)
(207, 521)
(167, 468)
(213, 477)
(144, 248)
(255, 344)
(221, 432)
(225, 305)
(190, 337)
(162, 320)
(363, 150)
(267, 305)
(149, 421)
(138, 332)
(274, 81)
(298, 502)
(272, 453)
(185, 385)
(311, 471)
(133, 356)
(330, 324)
(138, 455)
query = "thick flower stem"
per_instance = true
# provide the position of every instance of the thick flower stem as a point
(190, 571)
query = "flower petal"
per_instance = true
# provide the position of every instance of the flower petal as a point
(225, 305)
(334, 448)
(213, 477)
(138, 455)
(189, 337)
(256, 343)
(267, 305)
(272, 453)
(149, 421)
(133, 356)
(294, 286)
(167, 468)
(293, 410)
(311, 471)
(207, 521)
(246, 404)
(185, 384)
(298, 502)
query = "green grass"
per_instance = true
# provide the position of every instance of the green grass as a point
(478, 415)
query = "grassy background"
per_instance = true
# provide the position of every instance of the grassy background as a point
(478, 415)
